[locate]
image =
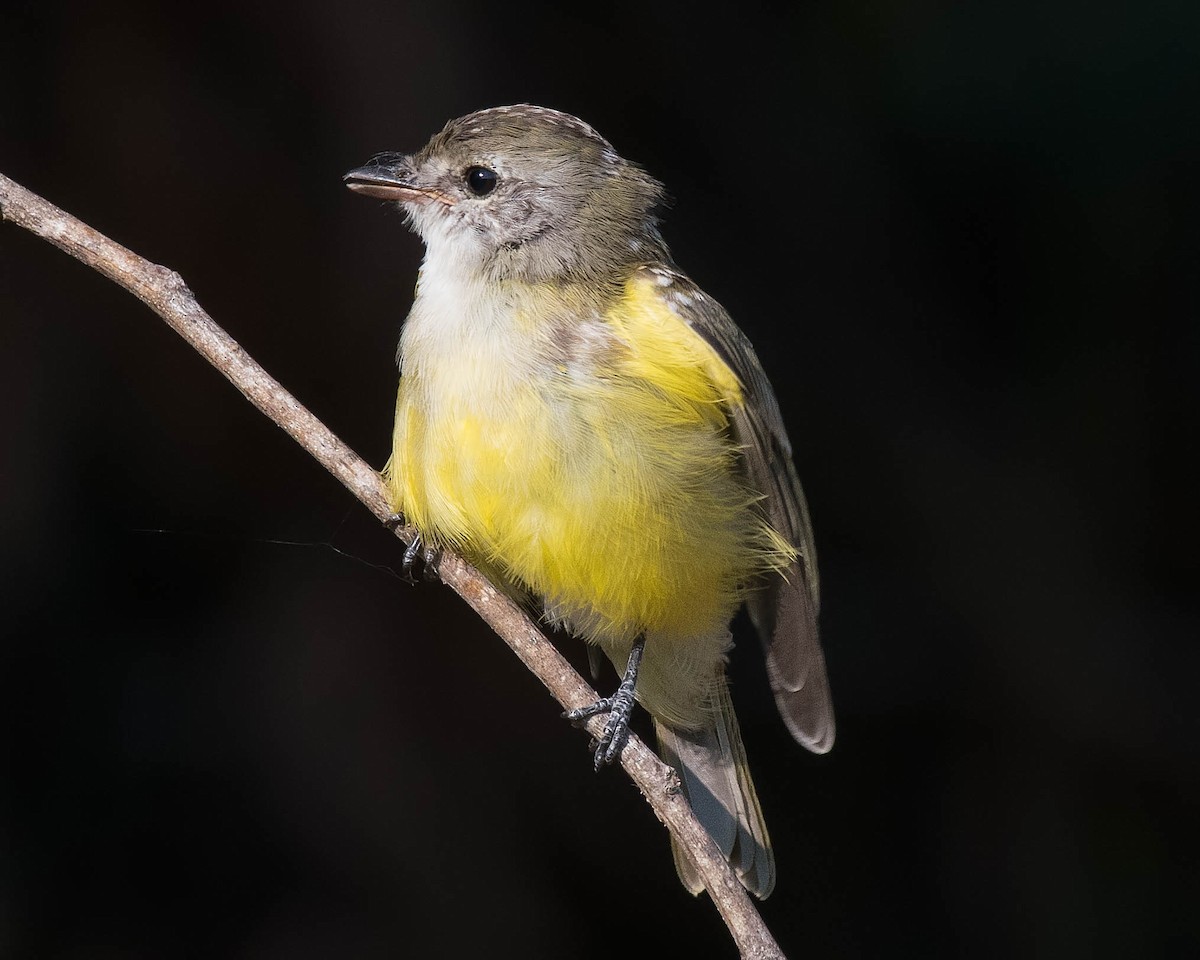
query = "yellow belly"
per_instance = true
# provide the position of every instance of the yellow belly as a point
(612, 494)
(619, 526)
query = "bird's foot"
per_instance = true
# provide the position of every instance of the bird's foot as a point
(429, 557)
(619, 708)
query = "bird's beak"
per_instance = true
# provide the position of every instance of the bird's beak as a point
(390, 177)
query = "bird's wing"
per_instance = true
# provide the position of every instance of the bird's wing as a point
(785, 611)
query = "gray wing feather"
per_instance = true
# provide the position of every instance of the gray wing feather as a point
(785, 611)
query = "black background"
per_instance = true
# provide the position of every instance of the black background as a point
(961, 236)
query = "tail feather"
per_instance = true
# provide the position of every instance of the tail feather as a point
(715, 777)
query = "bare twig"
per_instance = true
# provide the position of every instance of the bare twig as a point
(167, 295)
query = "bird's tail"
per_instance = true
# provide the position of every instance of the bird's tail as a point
(712, 768)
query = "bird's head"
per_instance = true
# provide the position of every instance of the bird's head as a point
(522, 193)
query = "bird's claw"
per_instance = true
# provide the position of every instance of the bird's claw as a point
(429, 557)
(619, 708)
(394, 522)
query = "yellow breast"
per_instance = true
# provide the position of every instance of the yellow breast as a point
(604, 481)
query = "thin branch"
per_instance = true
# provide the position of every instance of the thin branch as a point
(166, 294)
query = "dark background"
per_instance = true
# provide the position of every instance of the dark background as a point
(961, 236)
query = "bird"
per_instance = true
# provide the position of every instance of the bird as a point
(592, 430)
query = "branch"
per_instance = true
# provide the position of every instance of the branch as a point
(166, 294)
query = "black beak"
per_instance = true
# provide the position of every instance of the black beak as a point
(388, 176)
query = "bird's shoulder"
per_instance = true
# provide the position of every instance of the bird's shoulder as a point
(708, 321)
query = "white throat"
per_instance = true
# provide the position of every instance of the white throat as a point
(463, 333)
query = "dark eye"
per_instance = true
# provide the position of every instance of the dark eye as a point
(481, 181)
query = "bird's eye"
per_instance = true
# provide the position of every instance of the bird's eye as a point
(481, 181)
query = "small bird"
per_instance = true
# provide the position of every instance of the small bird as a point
(581, 421)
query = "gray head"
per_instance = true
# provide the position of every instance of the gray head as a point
(523, 192)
